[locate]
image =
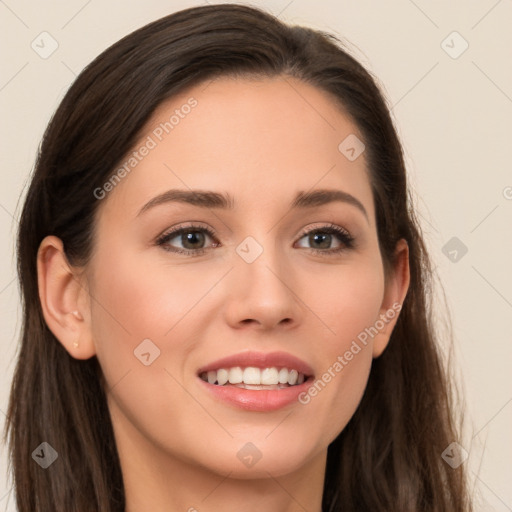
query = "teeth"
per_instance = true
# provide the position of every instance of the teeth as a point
(252, 375)
(269, 376)
(222, 377)
(293, 375)
(283, 376)
(236, 375)
(254, 378)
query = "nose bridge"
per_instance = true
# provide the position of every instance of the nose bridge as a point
(264, 291)
(262, 265)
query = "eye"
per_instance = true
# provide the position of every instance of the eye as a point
(322, 237)
(191, 237)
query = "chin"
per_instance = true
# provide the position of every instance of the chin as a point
(253, 460)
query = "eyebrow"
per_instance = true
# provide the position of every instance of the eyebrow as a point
(209, 199)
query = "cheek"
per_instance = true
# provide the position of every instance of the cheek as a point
(141, 298)
(346, 299)
(349, 304)
(135, 301)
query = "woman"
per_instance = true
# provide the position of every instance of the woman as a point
(226, 292)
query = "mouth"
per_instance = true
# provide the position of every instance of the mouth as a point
(257, 381)
(255, 378)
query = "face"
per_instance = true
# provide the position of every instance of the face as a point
(269, 287)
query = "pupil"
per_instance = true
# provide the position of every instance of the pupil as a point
(325, 237)
(192, 237)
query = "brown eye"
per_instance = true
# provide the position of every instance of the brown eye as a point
(191, 238)
(321, 239)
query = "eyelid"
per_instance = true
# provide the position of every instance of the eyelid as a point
(175, 231)
(323, 226)
(192, 225)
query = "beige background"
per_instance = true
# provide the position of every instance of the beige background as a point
(454, 117)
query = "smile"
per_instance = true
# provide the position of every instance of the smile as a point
(254, 378)
(256, 381)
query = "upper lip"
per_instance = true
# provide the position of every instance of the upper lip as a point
(259, 360)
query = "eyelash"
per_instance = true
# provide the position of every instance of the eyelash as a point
(332, 229)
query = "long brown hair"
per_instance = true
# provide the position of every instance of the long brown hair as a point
(388, 458)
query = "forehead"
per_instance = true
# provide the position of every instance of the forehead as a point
(260, 139)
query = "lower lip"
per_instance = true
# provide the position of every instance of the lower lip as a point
(257, 400)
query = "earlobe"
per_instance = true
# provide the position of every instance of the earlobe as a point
(396, 289)
(64, 300)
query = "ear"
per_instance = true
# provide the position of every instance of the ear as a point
(64, 299)
(397, 284)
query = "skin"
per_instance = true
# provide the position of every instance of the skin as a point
(262, 141)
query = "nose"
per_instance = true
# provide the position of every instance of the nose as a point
(261, 293)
